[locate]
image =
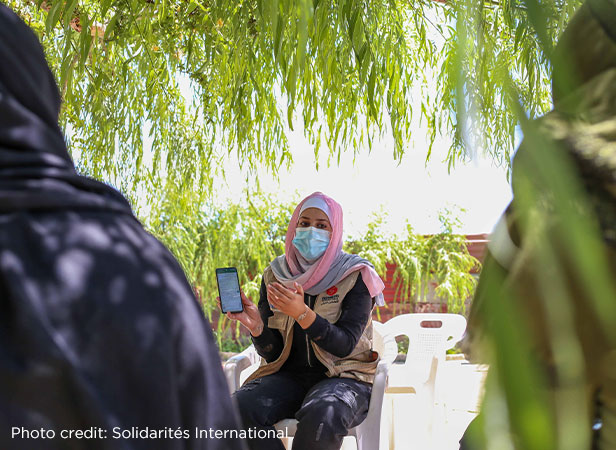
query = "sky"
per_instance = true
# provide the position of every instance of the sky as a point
(411, 191)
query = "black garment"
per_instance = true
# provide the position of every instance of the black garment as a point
(338, 339)
(98, 324)
(325, 408)
(36, 171)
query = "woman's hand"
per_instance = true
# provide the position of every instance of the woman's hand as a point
(250, 317)
(286, 300)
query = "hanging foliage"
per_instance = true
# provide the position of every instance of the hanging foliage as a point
(159, 91)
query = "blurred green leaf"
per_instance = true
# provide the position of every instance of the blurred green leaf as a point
(53, 16)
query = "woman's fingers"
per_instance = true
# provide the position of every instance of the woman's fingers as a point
(271, 293)
(237, 316)
(271, 290)
(277, 301)
(298, 288)
(281, 291)
(275, 287)
(245, 300)
(274, 300)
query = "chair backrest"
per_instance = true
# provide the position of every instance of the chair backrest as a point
(384, 343)
(430, 336)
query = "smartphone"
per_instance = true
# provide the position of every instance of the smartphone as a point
(229, 290)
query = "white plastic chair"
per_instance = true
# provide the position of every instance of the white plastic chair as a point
(367, 434)
(241, 366)
(430, 336)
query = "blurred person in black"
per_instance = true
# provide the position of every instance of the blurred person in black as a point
(99, 328)
(580, 132)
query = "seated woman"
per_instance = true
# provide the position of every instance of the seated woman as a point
(313, 328)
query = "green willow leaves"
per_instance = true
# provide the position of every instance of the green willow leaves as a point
(247, 236)
(161, 91)
(423, 263)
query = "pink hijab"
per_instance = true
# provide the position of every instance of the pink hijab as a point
(332, 266)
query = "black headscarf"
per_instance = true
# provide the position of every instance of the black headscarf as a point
(99, 328)
(36, 171)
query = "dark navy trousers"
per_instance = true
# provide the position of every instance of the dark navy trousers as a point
(326, 408)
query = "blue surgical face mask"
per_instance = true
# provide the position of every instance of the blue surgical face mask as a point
(311, 242)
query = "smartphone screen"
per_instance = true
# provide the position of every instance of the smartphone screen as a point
(229, 290)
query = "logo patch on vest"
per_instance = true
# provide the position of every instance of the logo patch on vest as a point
(331, 291)
(331, 299)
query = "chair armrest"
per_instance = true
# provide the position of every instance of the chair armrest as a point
(233, 369)
(456, 326)
(378, 388)
(390, 350)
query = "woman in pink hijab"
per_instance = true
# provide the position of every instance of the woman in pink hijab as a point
(313, 330)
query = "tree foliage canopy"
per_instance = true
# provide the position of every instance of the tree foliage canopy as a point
(346, 70)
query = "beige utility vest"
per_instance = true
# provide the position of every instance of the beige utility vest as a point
(360, 364)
